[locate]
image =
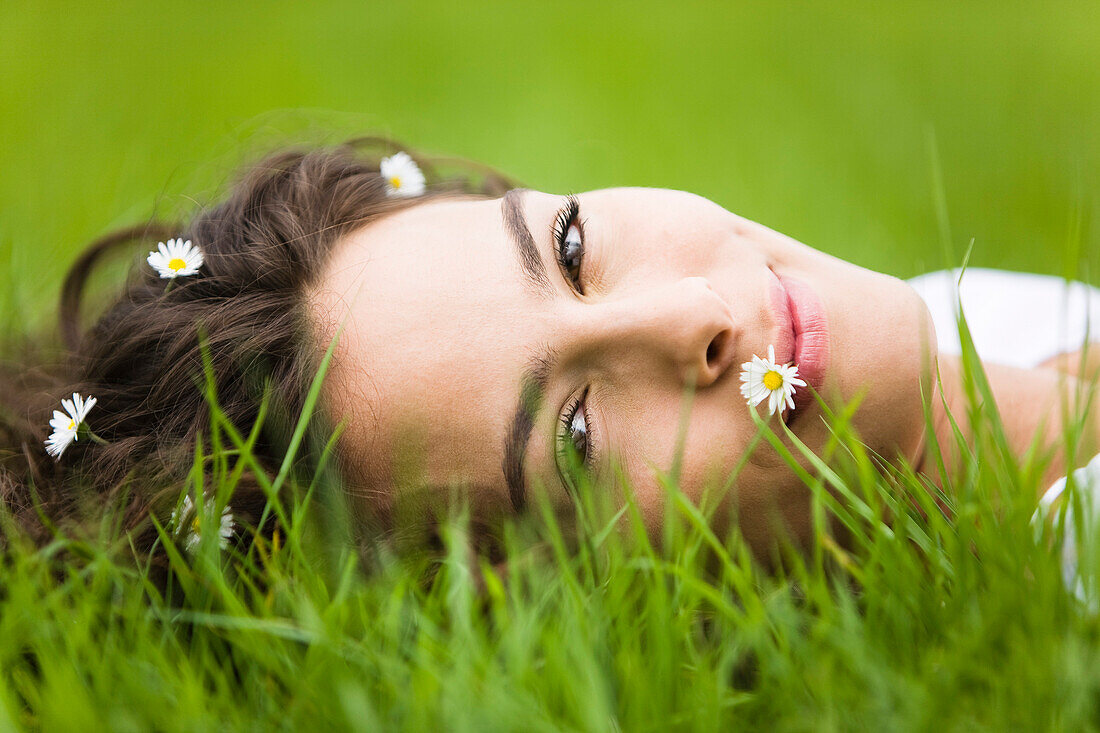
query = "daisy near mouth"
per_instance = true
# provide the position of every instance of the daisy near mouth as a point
(765, 379)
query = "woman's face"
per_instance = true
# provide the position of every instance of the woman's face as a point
(481, 337)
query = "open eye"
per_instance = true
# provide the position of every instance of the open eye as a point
(569, 236)
(578, 433)
(572, 253)
(573, 439)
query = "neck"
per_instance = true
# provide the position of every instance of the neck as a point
(1035, 406)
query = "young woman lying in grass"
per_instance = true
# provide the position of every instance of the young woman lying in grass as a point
(485, 339)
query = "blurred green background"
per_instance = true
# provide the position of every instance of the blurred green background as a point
(823, 120)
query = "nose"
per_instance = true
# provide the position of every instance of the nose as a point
(683, 325)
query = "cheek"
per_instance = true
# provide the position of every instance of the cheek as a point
(767, 504)
(888, 352)
(659, 250)
(652, 443)
(716, 471)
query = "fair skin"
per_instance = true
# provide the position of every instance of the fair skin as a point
(468, 356)
(1034, 404)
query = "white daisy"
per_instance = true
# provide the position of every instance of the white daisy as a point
(65, 426)
(186, 516)
(402, 175)
(763, 378)
(176, 259)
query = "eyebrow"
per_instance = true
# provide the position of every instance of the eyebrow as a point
(526, 250)
(532, 388)
(539, 366)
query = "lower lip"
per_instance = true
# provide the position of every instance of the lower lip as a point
(811, 337)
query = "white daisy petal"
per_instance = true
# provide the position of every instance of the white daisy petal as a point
(56, 445)
(765, 379)
(178, 258)
(186, 517)
(83, 406)
(181, 511)
(66, 425)
(60, 421)
(225, 531)
(402, 175)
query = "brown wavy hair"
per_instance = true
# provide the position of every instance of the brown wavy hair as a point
(264, 244)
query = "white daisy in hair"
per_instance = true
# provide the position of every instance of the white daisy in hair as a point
(66, 425)
(186, 516)
(177, 258)
(402, 175)
(764, 379)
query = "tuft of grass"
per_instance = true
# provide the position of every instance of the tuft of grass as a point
(942, 610)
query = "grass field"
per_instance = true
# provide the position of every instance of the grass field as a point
(889, 134)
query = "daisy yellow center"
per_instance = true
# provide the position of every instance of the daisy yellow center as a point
(176, 263)
(773, 380)
(72, 424)
(195, 524)
(395, 181)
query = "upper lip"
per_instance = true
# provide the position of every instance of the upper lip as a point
(784, 340)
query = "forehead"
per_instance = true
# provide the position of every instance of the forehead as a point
(436, 323)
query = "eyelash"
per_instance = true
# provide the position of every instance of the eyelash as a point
(565, 435)
(571, 265)
(567, 218)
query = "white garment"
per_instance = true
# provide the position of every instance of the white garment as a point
(1022, 320)
(1087, 481)
(1015, 318)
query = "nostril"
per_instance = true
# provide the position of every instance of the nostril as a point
(716, 349)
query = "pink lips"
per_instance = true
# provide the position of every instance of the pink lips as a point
(803, 334)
